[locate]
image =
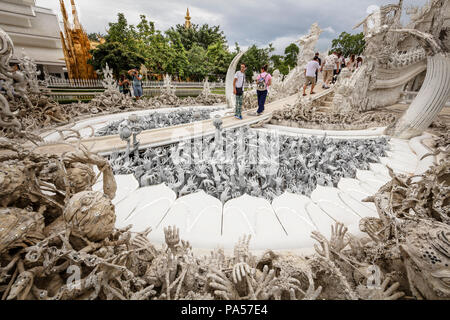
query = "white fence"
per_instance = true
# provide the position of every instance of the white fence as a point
(72, 96)
(91, 83)
(151, 92)
(74, 83)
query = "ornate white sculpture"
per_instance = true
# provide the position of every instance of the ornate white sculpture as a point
(206, 88)
(434, 93)
(108, 82)
(144, 71)
(344, 87)
(168, 88)
(7, 75)
(29, 68)
(111, 98)
(168, 93)
(296, 78)
(277, 83)
(308, 43)
(386, 69)
(165, 119)
(130, 129)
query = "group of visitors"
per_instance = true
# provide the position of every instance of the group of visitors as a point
(136, 82)
(263, 82)
(339, 63)
(331, 69)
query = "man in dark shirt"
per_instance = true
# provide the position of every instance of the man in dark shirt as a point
(320, 63)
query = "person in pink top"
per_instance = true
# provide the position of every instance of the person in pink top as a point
(263, 82)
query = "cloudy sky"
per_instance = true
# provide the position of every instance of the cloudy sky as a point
(247, 22)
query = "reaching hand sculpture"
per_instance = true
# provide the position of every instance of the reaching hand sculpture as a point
(338, 241)
(118, 264)
(324, 164)
(386, 292)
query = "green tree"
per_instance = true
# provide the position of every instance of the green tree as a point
(94, 36)
(179, 62)
(290, 55)
(207, 36)
(349, 44)
(189, 53)
(279, 63)
(198, 67)
(287, 62)
(118, 57)
(203, 36)
(237, 49)
(219, 59)
(154, 46)
(121, 32)
(159, 54)
(255, 58)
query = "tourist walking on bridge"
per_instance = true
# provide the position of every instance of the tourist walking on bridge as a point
(320, 63)
(337, 67)
(351, 64)
(359, 62)
(330, 63)
(137, 83)
(238, 85)
(311, 68)
(263, 82)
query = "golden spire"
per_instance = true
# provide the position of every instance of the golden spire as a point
(63, 10)
(76, 46)
(76, 21)
(187, 23)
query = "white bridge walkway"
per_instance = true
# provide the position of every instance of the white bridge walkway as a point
(164, 136)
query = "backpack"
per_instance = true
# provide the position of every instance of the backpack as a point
(261, 84)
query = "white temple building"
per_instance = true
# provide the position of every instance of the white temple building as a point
(35, 32)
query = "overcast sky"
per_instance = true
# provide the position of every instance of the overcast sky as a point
(247, 22)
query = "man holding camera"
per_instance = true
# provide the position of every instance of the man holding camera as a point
(137, 83)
